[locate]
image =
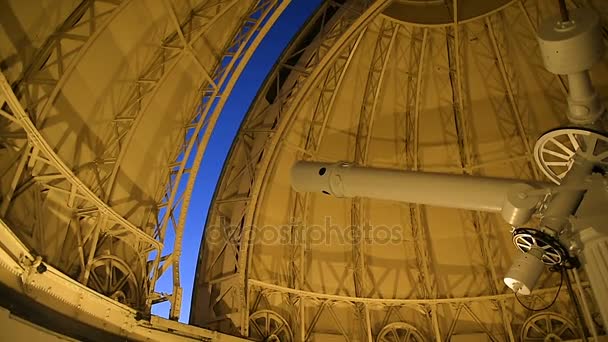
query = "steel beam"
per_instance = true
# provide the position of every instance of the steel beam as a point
(165, 60)
(512, 101)
(382, 51)
(413, 108)
(417, 304)
(256, 129)
(258, 22)
(187, 45)
(465, 152)
(40, 107)
(8, 196)
(287, 118)
(47, 100)
(37, 140)
(384, 44)
(311, 147)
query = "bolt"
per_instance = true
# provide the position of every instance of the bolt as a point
(41, 268)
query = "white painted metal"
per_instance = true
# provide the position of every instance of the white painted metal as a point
(465, 96)
(442, 190)
(524, 273)
(591, 239)
(519, 207)
(55, 290)
(82, 185)
(572, 48)
(594, 260)
(113, 92)
(548, 326)
(554, 151)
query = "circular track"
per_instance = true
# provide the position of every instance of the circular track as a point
(112, 277)
(268, 326)
(555, 150)
(400, 332)
(548, 327)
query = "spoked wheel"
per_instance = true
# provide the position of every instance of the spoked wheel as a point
(268, 326)
(112, 277)
(548, 327)
(554, 151)
(400, 332)
(526, 241)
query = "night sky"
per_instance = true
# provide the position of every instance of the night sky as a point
(226, 128)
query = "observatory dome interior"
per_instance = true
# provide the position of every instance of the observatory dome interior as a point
(107, 108)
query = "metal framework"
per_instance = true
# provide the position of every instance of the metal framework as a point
(198, 131)
(423, 308)
(248, 143)
(426, 278)
(53, 288)
(236, 274)
(285, 119)
(87, 189)
(353, 62)
(382, 50)
(320, 118)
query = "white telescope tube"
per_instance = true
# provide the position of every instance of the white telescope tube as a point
(435, 189)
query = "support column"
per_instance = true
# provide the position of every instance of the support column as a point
(591, 236)
(594, 258)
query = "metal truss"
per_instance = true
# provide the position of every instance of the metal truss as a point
(285, 120)
(167, 56)
(315, 134)
(54, 175)
(260, 17)
(230, 278)
(426, 278)
(256, 130)
(508, 77)
(479, 220)
(90, 201)
(418, 48)
(44, 78)
(423, 311)
(297, 248)
(93, 222)
(53, 289)
(382, 51)
(494, 82)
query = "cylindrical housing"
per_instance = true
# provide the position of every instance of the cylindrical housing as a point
(580, 85)
(564, 203)
(441, 190)
(519, 207)
(584, 105)
(524, 273)
(573, 46)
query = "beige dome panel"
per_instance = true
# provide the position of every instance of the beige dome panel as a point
(399, 85)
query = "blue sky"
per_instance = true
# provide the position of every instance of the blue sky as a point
(236, 107)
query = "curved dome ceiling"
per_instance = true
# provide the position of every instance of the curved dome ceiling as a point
(439, 12)
(109, 107)
(397, 85)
